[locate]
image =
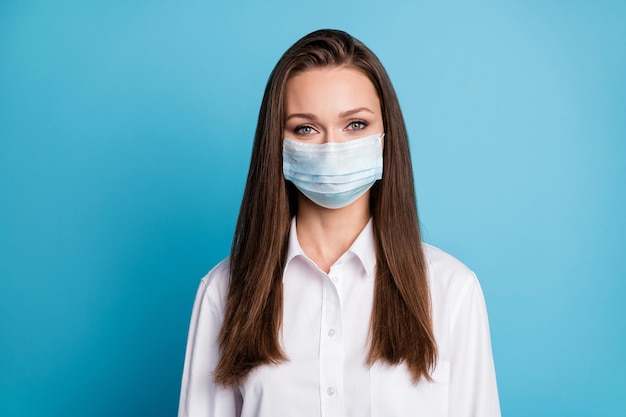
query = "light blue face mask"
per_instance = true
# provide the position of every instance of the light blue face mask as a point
(334, 174)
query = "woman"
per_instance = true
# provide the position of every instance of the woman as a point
(329, 304)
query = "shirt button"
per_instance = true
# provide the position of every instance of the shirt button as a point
(330, 391)
(334, 278)
(332, 332)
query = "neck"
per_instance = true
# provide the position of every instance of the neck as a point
(326, 234)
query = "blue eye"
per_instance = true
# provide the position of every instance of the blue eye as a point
(357, 125)
(304, 130)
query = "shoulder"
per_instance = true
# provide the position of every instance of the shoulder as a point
(456, 296)
(447, 275)
(214, 286)
(443, 264)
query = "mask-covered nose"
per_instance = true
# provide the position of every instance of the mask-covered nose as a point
(334, 174)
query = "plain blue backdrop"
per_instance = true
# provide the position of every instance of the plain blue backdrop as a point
(125, 137)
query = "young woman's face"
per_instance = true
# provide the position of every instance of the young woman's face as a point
(331, 105)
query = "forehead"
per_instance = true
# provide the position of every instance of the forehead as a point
(333, 88)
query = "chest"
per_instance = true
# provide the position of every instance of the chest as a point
(325, 336)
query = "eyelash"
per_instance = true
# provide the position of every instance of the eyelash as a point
(298, 130)
(363, 124)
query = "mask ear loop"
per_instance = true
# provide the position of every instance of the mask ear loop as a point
(382, 140)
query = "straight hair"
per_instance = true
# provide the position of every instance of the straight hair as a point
(401, 328)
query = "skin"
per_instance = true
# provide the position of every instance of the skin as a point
(322, 105)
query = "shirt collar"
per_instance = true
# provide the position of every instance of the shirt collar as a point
(362, 247)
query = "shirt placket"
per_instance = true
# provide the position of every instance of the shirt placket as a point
(331, 347)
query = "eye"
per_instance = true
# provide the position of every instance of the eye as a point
(304, 130)
(357, 125)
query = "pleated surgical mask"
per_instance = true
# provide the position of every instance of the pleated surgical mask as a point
(334, 174)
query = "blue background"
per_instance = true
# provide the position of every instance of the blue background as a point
(125, 136)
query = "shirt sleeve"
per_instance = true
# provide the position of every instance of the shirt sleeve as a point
(200, 396)
(473, 388)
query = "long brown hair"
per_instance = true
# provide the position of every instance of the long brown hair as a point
(401, 324)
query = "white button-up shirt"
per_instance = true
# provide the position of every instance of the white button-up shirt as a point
(324, 335)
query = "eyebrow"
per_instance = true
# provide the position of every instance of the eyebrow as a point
(309, 116)
(355, 111)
